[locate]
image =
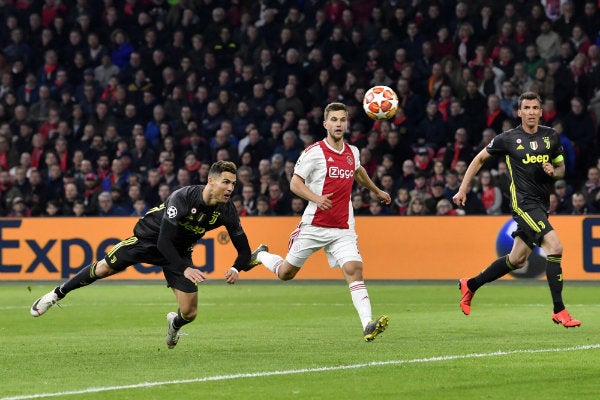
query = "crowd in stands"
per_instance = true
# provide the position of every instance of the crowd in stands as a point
(106, 107)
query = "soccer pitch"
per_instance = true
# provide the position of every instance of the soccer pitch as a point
(300, 340)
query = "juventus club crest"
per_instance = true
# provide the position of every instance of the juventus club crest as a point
(533, 145)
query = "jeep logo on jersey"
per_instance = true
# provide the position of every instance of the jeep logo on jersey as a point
(529, 159)
(171, 212)
(335, 172)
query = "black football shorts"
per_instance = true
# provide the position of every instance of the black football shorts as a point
(134, 250)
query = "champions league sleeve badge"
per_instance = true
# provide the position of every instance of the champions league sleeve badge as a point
(172, 212)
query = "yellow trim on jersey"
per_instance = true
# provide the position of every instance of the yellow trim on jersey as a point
(155, 209)
(515, 205)
(558, 159)
(126, 242)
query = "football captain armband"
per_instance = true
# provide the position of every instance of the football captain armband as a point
(558, 159)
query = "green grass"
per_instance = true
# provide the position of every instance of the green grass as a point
(302, 340)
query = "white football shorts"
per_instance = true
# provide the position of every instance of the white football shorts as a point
(340, 245)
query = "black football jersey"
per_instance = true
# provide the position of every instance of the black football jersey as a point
(186, 209)
(530, 186)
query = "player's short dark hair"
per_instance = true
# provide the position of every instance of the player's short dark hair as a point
(222, 166)
(335, 106)
(529, 95)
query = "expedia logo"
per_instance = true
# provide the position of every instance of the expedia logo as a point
(529, 159)
(338, 173)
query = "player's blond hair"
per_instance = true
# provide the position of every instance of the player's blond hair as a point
(335, 107)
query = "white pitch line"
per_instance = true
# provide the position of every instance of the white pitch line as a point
(301, 371)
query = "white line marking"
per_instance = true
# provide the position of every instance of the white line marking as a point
(301, 371)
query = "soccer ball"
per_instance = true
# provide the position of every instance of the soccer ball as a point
(380, 102)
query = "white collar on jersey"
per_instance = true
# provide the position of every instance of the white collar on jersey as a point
(335, 150)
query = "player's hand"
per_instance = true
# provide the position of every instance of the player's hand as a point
(384, 197)
(323, 202)
(548, 168)
(194, 275)
(231, 276)
(460, 198)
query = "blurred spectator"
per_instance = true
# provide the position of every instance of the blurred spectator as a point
(297, 206)
(358, 204)
(548, 41)
(139, 208)
(142, 155)
(164, 191)
(375, 208)
(494, 116)
(460, 149)
(52, 209)
(568, 149)
(431, 131)
(400, 202)
(423, 161)
(437, 194)
(69, 197)
(9, 157)
(591, 187)
(488, 193)
(249, 199)
(106, 206)
(444, 208)
(579, 206)
(563, 196)
(278, 200)
(579, 127)
(416, 207)
(421, 187)
(78, 209)
(262, 206)
(290, 148)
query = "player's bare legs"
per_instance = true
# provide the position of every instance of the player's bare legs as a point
(353, 273)
(188, 304)
(188, 309)
(287, 271)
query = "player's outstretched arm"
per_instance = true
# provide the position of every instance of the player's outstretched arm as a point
(361, 176)
(460, 198)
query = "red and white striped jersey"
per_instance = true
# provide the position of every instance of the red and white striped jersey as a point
(326, 170)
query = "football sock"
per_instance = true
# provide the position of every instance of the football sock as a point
(271, 261)
(555, 280)
(86, 276)
(496, 270)
(179, 321)
(361, 301)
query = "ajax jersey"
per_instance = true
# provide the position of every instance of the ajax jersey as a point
(326, 170)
